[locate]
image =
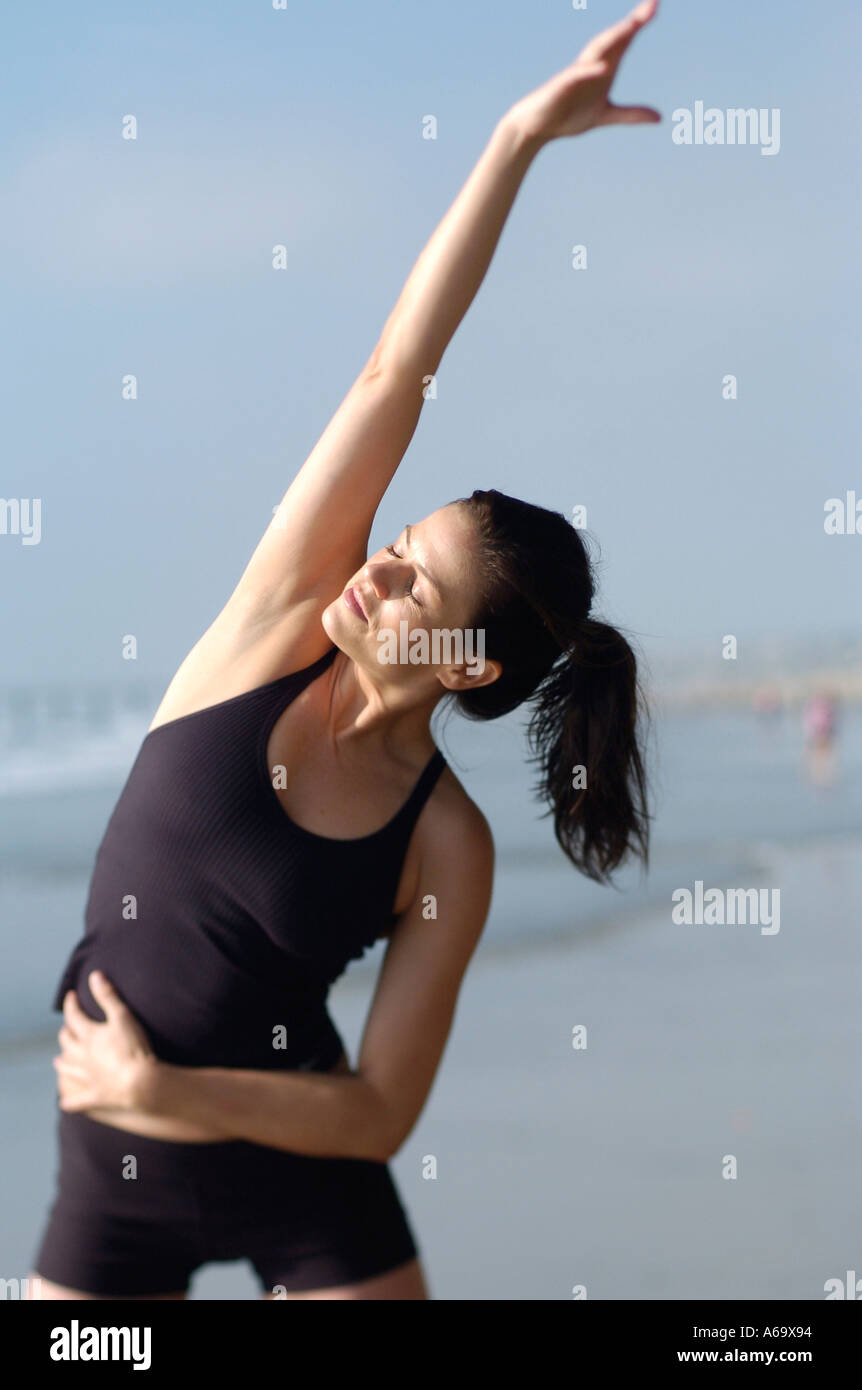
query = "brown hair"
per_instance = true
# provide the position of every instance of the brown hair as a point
(579, 674)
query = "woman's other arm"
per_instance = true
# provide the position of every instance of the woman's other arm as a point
(367, 1113)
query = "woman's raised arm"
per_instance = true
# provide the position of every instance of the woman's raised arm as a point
(319, 534)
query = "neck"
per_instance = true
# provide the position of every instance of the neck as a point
(395, 717)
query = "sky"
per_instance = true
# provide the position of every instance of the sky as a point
(600, 387)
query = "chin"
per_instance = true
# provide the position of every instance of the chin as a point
(341, 626)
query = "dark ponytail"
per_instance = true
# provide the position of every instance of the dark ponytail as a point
(579, 675)
(585, 717)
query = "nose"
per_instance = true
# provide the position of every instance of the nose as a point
(379, 576)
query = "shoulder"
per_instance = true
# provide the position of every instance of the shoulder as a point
(456, 832)
(451, 883)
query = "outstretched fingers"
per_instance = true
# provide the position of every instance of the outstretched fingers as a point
(610, 45)
(628, 115)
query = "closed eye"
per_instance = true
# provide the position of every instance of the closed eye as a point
(410, 594)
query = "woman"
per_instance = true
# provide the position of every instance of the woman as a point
(288, 807)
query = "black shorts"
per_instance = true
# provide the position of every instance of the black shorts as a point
(137, 1216)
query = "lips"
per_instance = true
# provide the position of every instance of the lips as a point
(351, 598)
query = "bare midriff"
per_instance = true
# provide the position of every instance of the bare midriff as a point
(161, 1127)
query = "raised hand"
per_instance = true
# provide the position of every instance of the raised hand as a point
(576, 99)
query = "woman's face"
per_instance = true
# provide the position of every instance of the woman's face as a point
(406, 611)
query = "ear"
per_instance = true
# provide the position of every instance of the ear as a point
(469, 677)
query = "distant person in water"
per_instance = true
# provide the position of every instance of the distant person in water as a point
(820, 723)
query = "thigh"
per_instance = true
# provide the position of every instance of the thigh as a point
(407, 1281)
(39, 1288)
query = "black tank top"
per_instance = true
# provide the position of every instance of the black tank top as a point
(220, 921)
